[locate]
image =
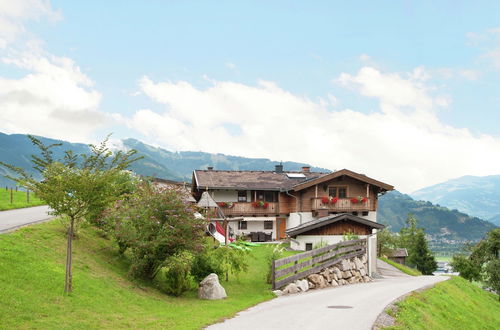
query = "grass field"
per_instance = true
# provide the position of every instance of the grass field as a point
(403, 268)
(452, 304)
(19, 200)
(32, 282)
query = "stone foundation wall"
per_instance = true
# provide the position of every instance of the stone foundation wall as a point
(348, 271)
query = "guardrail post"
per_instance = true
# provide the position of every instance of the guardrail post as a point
(273, 274)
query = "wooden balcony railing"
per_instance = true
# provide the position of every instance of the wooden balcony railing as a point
(246, 208)
(342, 205)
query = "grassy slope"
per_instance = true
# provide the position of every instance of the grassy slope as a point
(453, 304)
(403, 268)
(19, 200)
(32, 280)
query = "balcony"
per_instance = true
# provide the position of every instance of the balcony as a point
(249, 209)
(342, 205)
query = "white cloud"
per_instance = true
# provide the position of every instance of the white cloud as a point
(231, 65)
(364, 57)
(14, 13)
(53, 99)
(489, 41)
(404, 144)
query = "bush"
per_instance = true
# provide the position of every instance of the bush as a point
(276, 254)
(175, 277)
(154, 225)
(205, 264)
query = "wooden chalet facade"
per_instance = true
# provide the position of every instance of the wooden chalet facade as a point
(273, 202)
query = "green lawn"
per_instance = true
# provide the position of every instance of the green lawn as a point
(403, 268)
(19, 200)
(32, 282)
(452, 304)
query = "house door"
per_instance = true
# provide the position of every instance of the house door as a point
(280, 228)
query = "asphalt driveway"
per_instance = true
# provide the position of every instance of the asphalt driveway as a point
(12, 219)
(348, 307)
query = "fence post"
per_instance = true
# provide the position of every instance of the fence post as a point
(273, 277)
(28, 196)
(11, 195)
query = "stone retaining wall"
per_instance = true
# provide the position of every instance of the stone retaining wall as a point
(348, 271)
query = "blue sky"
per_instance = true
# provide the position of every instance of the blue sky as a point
(392, 89)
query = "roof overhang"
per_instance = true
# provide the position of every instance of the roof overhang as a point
(333, 175)
(305, 227)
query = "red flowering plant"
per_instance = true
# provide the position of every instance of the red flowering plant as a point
(364, 200)
(254, 204)
(354, 200)
(222, 204)
(265, 205)
(260, 204)
(325, 200)
(334, 200)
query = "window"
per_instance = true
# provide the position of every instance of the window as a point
(242, 225)
(242, 196)
(267, 196)
(309, 246)
(340, 192)
(268, 225)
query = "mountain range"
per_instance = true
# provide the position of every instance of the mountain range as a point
(394, 207)
(477, 196)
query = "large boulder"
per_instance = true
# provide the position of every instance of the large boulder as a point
(318, 281)
(211, 289)
(291, 288)
(303, 285)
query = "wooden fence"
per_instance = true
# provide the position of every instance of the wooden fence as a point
(289, 269)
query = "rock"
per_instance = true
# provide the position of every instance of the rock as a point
(311, 285)
(346, 274)
(367, 279)
(278, 293)
(353, 265)
(334, 277)
(345, 265)
(351, 280)
(326, 274)
(363, 259)
(211, 289)
(291, 288)
(362, 272)
(358, 263)
(334, 283)
(303, 285)
(338, 273)
(318, 280)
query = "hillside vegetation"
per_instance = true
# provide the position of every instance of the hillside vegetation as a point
(437, 221)
(32, 281)
(452, 304)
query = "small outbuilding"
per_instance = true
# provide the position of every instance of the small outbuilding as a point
(330, 230)
(399, 256)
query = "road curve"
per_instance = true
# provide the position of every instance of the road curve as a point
(348, 307)
(12, 219)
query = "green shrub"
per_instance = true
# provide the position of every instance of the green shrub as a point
(175, 278)
(276, 253)
(206, 263)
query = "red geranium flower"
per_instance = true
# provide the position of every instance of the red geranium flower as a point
(266, 205)
(325, 200)
(364, 200)
(354, 200)
(254, 204)
(334, 200)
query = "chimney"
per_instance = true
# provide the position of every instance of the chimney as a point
(210, 168)
(278, 168)
(306, 169)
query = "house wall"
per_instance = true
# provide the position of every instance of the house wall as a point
(354, 188)
(341, 228)
(299, 243)
(227, 195)
(255, 225)
(294, 219)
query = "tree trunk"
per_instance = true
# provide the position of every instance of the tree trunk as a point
(68, 286)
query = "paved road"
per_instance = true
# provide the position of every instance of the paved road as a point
(13, 219)
(313, 309)
(386, 270)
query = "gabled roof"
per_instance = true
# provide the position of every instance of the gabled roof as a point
(396, 253)
(336, 174)
(250, 180)
(305, 227)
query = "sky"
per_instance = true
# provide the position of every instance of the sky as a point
(406, 92)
